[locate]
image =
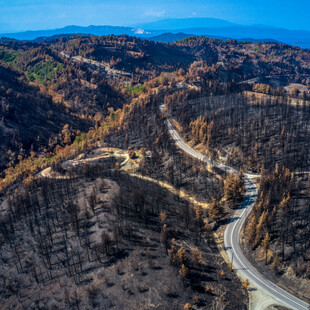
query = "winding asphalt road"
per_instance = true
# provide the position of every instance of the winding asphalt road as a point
(233, 231)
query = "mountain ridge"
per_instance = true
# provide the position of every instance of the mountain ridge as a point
(183, 23)
(194, 26)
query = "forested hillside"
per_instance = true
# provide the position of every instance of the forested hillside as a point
(100, 209)
(270, 136)
(29, 118)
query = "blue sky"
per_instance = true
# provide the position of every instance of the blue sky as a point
(19, 15)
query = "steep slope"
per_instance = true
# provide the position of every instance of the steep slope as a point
(73, 84)
(28, 118)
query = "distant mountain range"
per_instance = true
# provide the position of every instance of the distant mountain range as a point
(170, 30)
(94, 30)
(173, 24)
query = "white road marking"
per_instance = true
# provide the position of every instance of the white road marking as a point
(233, 230)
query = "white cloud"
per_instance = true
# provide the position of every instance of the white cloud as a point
(139, 31)
(156, 13)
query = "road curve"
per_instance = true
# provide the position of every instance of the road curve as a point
(46, 173)
(233, 231)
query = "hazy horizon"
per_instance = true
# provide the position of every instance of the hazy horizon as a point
(42, 15)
